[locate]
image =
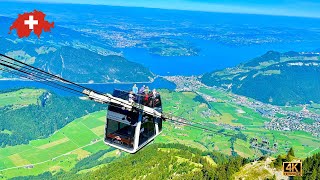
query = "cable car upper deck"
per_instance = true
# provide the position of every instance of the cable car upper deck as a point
(124, 102)
(150, 100)
(118, 113)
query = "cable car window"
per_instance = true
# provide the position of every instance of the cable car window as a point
(146, 132)
(112, 126)
(119, 133)
(132, 117)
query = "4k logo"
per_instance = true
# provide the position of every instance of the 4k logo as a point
(292, 168)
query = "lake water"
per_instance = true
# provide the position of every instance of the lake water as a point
(159, 83)
(213, 56)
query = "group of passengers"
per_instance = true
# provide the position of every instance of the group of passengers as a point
(144, 95)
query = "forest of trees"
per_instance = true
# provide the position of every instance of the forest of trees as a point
(283, 158)
(311, 168)
(42, 119)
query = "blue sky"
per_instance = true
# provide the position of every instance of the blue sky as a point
(304, 8)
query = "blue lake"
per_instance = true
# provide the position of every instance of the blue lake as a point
(213, 56)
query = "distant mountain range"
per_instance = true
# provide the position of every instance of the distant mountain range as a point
(278, 78)
(81, 65)
(76, 64)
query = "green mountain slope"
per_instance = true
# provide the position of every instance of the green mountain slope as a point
(158, 161)
(75, 64)
(81, 65)
(277, 78)
(26, 118)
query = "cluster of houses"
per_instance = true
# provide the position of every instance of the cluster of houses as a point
(281, 119)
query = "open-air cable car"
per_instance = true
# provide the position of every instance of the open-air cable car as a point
(133, 120)
(130, 130)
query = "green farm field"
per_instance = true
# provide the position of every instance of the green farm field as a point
(183, 104)
(61, 151)
(19, 98)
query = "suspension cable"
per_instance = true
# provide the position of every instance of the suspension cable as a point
(44, 72)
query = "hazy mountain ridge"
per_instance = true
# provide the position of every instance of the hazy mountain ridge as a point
(76, 64)
(277, 78)
(81, 65)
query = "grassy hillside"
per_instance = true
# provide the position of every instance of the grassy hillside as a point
(20, 98)
(161, 161)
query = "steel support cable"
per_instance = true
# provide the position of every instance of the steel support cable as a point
(21, 70)
(56, 77)
(44, 81)
(32, 69)
(199, 127)
(182, 119)
(49, 74)
(17, 69)
(205, 129)
(33, 79)
(47, 83)
(50, 83)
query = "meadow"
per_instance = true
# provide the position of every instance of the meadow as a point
(61, 151)
(20, 98)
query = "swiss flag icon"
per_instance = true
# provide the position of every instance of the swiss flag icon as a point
(32, 21)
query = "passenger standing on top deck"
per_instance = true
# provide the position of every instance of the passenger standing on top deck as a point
(154, 93)
(131, 97)
(147, 90)
(146, 96)
(141, 91)
(135, 89)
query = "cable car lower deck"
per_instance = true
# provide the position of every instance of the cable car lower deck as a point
(132, 130)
